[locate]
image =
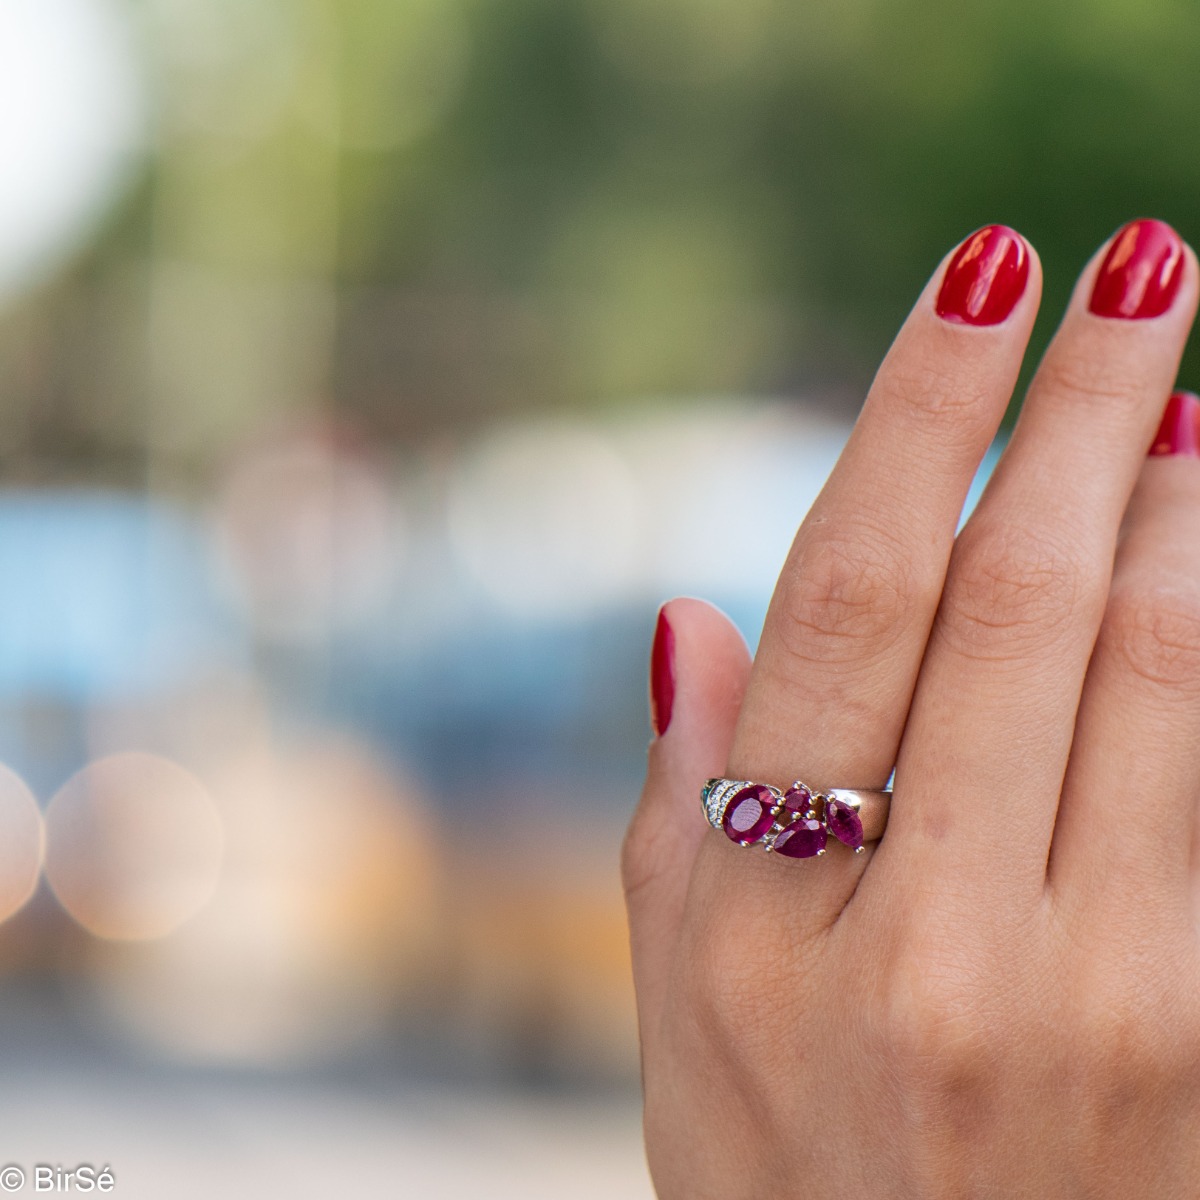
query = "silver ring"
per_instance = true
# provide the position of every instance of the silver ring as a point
(798, 821)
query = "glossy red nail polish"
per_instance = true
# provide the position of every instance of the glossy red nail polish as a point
(662, 675)
(1179, 432)
(1141, 272)
(985, 278)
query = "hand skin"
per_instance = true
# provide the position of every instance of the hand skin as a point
(1001, 998)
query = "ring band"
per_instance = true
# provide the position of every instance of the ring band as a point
(796, 822)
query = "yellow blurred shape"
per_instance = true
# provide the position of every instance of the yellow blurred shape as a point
(22, 843)
(133, 846)
(540, 953)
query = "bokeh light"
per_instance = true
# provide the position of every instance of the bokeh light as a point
(21, 843)
(133, 846)
(311, 536)
(547, 520)
(725, 486)
(325, 911)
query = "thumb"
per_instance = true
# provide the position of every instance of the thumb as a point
(699, 669)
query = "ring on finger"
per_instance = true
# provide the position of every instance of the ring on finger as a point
(796, 822)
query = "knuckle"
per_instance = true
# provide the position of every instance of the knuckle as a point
(1011, 590)
(941, 1049)
(949, 399)
(1154, 635)
(846, 597)
(932, 1023)
(648, 850)
(728, 996)
(1137, 1024)
(638, 863)
(1128, 1050)
(1090, 381)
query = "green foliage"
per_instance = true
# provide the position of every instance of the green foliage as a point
(643, 171)
(548, 202)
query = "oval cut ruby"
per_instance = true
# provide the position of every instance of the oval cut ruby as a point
(748, 814)
(803, 838)
(844, 823)
(797, 799)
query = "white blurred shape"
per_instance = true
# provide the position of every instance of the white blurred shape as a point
(21, 843)
(545, 519)
(311, 535)
(726, 488)
(133, 846)
(71, 125)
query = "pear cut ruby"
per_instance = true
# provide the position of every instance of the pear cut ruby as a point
(797, 799)
(748, 814)
(844, 823)
(803, 838)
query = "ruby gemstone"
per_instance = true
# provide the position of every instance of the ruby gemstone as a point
(844, 823)
(748, 814)
(797, 799)
(803, 838)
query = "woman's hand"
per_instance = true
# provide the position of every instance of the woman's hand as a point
(1001, 997)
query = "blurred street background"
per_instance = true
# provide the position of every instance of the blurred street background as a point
(370, 370)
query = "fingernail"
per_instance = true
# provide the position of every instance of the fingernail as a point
(1141, 272)
(985, 278)
(662, 675)
(1179, 432)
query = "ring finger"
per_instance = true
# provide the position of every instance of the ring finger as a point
(848, 623)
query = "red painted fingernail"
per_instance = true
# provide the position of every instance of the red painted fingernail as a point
(1179, 432)
(1141, 272)
(985, 278)
(662, 675)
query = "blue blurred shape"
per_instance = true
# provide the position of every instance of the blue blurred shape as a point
(104, 594)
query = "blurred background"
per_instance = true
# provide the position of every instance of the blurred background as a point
(369, 372)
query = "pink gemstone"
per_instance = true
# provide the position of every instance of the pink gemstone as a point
(748, 814)
(797, 799)
(844, 823)
(803, 838)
